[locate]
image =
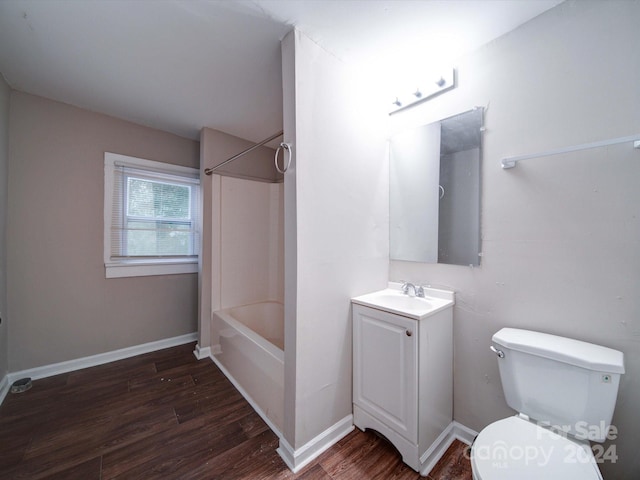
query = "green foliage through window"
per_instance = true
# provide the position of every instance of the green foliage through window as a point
(158, 217)
(157, 200)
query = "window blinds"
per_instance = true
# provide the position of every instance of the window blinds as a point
(154, 214)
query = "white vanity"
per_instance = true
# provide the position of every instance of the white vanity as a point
(403, 370)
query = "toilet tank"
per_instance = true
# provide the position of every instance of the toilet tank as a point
(558, 381)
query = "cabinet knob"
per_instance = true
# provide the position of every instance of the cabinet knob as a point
(408, 332)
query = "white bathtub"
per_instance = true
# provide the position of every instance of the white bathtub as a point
(247, 344)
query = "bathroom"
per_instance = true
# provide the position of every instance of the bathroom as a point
(559, 234)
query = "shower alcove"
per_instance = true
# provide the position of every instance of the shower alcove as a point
(243, 272)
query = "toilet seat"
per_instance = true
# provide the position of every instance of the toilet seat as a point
(516, 448)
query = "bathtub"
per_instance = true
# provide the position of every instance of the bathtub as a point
(247, 344)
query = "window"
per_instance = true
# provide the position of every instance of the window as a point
(151, 217)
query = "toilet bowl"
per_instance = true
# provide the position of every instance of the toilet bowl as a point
(565, 392)
(516, 448)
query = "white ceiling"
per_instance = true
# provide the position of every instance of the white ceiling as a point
(180, 65)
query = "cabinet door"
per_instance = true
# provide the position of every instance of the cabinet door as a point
(385, 376)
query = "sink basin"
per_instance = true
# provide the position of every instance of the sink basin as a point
(401, 301)
(392, 300)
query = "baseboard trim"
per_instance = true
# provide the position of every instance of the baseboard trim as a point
(4, 388)
(99, 359)
(453, 431)
(294, 459)
(298, 459)
(429, 458)
(463, 433)
(202, 352)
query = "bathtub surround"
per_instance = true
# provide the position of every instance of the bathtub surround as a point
(560, 234)
(247, 243)
(250, 245)
(336, 237)
(257, 166)
(62, 307)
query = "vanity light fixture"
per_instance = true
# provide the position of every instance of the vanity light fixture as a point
(437, 85)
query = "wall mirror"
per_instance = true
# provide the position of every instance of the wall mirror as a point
(434, 191)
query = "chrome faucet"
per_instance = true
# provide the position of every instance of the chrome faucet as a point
(418, 291)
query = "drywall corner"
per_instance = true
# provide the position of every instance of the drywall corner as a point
(5, 92)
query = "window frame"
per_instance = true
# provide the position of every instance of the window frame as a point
(134, 267)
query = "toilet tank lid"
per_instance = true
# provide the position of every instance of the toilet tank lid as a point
(562, 349)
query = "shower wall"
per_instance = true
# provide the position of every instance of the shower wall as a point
(251, 244)
(250, 236)
(459, 219)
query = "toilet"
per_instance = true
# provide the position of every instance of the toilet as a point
(564, 391)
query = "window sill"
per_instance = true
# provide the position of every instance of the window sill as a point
(142, 268)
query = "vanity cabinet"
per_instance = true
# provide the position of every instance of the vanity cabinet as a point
(403, 379)
(385, 365)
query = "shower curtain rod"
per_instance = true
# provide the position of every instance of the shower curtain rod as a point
(209, 171)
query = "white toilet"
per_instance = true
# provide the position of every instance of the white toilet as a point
(556, 384)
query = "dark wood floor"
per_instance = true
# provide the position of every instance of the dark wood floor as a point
(165, 415)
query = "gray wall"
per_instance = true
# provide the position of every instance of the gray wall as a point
(561, 235)
(61, 305)
(4, 151)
